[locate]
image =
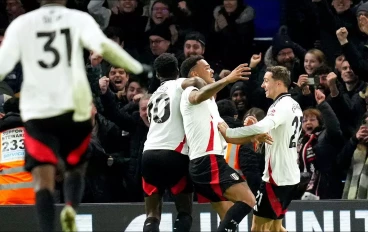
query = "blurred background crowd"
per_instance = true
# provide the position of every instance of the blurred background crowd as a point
(322, 42)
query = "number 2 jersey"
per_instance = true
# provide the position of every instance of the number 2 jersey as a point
(49, 43)
(284, 124)
(166, 131)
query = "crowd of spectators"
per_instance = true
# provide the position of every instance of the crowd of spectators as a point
(322, 42)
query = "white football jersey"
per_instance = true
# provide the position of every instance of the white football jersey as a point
(49, 43)
(200, 126)
(284, 123)
(166, 130)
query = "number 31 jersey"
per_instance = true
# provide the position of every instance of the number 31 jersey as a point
(49, 43)
(282, 157)
(166, 131)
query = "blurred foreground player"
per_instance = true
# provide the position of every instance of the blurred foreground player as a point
(56, 100)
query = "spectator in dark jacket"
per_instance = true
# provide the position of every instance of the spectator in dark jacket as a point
(356, 55)
(318, 147)
(345, 100)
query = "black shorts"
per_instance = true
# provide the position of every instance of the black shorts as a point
(211, 176)
(273, 201)
(165, 169)
(50, 139)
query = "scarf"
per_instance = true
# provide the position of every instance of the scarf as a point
(310, 177)
(356, 185)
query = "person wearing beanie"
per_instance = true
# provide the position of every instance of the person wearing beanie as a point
(283, 50)
(194, 44)
(159, 39)
(237, 95)
(357, 56)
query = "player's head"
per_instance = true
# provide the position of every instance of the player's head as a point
(197, 66)
(276, 81)
(166, 67)
(60, 2)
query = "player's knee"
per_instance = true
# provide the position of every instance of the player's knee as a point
(250, 200)
(151, 224)
(183, 222)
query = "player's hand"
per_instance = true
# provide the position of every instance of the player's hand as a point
(254, 61)
(238, 74)
(331, 79)
(222, 126)
(104, 84)
(262, 138)
(250, 120)
(320, 97)
(342, 35)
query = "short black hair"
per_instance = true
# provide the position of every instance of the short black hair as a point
(226, 107)
(188, 64)
(11, 105)
(2, 31)
(322, 70)
(166, 66)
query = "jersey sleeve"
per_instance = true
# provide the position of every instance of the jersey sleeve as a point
(261, 127)
(186, 93)
(179, 82)
(10, 49)
(94, 39)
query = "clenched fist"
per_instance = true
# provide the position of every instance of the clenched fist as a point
(342, 35)
(104, 84)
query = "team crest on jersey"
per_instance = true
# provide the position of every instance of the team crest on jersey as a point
(271, 113)
(296, 107)
(234, 176)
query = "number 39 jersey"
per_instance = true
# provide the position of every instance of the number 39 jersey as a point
(49, 43)
(166, 131)
(282, 157)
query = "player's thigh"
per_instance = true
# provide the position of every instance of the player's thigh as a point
(240, 192)
(74, 138)
(40, 143)
(260, 224)
(222, 207)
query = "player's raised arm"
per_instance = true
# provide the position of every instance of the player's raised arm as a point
(210, 90)
(9, 50)
(94, 39)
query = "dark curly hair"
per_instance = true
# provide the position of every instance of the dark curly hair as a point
(166, 66)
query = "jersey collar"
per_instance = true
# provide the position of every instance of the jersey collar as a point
(281, 95)
(52, 4)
